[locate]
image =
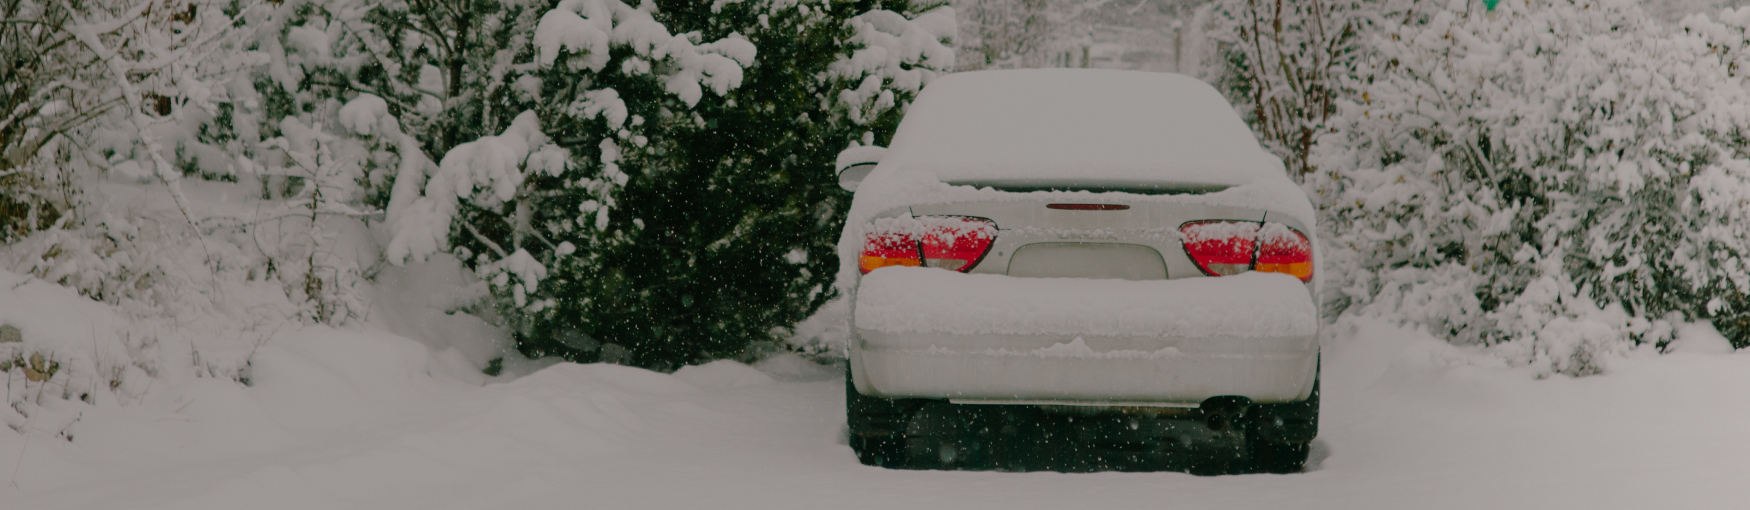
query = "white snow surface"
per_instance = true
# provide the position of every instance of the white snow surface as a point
(85, 343)
(929, 300)
(859, 154)
(1080, 123)
(722, 374)
(344, 419)
(361, 114)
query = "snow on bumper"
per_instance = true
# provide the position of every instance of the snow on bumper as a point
(932, 333)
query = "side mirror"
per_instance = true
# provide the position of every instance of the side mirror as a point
(855, 163)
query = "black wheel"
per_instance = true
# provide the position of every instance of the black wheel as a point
(1280, 436)
(876, 426)
(1278, 457)
(944, 435)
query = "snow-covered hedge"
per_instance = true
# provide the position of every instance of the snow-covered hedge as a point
(1561, 179)
(209, 169)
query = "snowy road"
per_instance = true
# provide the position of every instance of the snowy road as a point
(345, 420)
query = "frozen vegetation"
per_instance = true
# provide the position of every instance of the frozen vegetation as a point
(300, 253)
(1558, 181)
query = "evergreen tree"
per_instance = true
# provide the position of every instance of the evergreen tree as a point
(448, 64)
(677, 197)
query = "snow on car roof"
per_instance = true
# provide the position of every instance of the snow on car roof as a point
(1054, 125)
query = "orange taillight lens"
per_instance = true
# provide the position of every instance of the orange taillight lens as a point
(1285, 251)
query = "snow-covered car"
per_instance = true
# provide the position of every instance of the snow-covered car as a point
(1081, 243)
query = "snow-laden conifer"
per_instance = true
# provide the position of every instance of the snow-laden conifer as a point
(668, 188)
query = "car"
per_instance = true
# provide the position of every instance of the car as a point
(1038, 247)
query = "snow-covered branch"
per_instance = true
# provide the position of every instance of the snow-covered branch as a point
(893, 54)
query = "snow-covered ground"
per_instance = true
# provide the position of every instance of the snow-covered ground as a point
(367, 419)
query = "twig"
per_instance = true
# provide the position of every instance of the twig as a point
(16, 466)
(488, 242)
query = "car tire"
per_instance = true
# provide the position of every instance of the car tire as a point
(1279, 457)
(1280, 436)
(875, 426)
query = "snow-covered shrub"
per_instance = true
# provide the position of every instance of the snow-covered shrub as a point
(1560, 178)
(1022, 34)
(1004, 33)
(670, 191)
(322, 122)
(325, 282)
(163, 101)
(108, 91)
(1281, 64)
(443, 68)
(321, 64)
(36, 110)
(72, 67)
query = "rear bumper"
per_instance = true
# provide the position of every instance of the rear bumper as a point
(1178, 349)
(1264, 370)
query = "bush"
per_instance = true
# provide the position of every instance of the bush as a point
(669, 197)
(1560, 179)
(1282, 63)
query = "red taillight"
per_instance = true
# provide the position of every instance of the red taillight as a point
(954, 243)
(1222, 248)
(888, 248)
(957, 243)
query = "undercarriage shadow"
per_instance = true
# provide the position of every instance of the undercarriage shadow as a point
(1070, 439)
